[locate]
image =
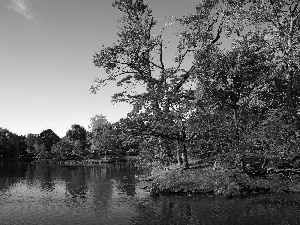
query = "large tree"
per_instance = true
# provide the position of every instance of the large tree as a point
(137, 63)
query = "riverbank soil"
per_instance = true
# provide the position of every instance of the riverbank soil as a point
(220, 180)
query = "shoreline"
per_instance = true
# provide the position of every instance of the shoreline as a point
(81, 162)
(198, 179)
(17, 160)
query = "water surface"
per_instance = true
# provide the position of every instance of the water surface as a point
(108, 194)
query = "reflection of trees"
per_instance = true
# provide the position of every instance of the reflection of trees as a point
(277, 209)
(10, 173)
(98, 186)
(13, 168)
(155, 211)
(124, 175)
(75, 178)
(42, 173)
(47, 180)
(79, 180)
(179, 210)
(126, 180)
(127, 185)
(101, 186)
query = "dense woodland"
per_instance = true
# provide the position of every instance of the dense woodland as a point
(206, 100)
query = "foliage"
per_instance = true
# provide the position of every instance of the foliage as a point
(49, 138)
(66, 149)
(22, 146)
(257, 78)
(11, 145)
(278, 22)
(98, 123)
(235, 80)
(73, 145)
(78, 135)
(274, 136)
(32, 142)
(42, 151)
(102, 140)
(215, 136)
(39, 145)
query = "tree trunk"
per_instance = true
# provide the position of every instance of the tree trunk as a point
(236, 123)
(184, 156)
(290, 73)
(291, 100)
(183, 147)
(178, 155)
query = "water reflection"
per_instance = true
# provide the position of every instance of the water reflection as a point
(107, 194)
(43, 194)
(268, 209)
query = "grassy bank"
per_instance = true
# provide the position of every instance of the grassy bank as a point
(219, 180)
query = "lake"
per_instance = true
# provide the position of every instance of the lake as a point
(108, 194)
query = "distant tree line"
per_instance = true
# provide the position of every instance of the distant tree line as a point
(102, 139)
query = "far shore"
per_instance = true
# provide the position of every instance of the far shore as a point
(86, 162)
(17, 159)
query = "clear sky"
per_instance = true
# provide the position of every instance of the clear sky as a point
(46, 68)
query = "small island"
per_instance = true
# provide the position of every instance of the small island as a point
(221, 180)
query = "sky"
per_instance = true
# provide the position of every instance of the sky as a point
(46, 67)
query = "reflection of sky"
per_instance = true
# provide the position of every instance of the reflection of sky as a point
(23, 189)
(30, 199)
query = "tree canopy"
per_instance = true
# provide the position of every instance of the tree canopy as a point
(208, 91)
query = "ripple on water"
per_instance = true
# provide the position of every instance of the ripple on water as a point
(84, 195)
